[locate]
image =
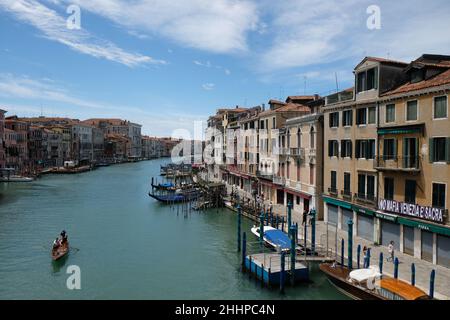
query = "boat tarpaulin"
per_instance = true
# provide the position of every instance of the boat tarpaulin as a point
(278, 238)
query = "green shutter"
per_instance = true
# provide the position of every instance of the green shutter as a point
(395, 149)
(431, 150)
(447, 149)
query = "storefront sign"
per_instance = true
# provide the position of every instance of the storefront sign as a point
(412, 210)
(386, 217)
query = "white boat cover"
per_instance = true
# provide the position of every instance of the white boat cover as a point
(365, 274)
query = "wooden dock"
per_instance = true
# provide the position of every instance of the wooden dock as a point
(268, 267)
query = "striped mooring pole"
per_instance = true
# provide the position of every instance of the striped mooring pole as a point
(381, 263)
(413, 274)
(313, 231)
(342, 252)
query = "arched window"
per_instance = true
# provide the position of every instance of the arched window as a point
(312, 138)
(299, 138)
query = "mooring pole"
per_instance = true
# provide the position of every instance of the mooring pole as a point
(381, 262)
(368, 258)
(239, 228)
(358, 255)
(289, 216)
(261, 228)
(282, 224)
(313, 231)
(244, 249)
(396, 268)
(342, 251)
(282, 273)
(305, 236)
(350, 244)
(296, 232)
(276, 222)
(292, 232)
(413, 274)
(432, 276)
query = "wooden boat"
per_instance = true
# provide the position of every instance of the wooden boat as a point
(369, 284)
(177, 197)
(61, 251)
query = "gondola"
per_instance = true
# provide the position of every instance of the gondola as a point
(177, 197)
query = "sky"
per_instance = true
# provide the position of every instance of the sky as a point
(166, 64)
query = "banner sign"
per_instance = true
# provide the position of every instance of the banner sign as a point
(412, 210)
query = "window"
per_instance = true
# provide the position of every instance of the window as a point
(439, 149)
(440, 107)
(372, 115)
(410, 191)
(389, 188)
(361, 116)
(439, 195)
(411, 110)
(346, 148)
(371, 187)
(361, 81)
(389, 152)
(365, 149)
(371, 79)
(347, 118)
(333, 148)
(361, 185)
(347, 183)
(334, 119)
(417, 75)
(273, 122)
(262, 124)
(367, 80)
(390, 113)
(311, 174)
(333, 181)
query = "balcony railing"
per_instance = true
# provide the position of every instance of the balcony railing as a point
(298, 152)
(366, 198)
(264, 174)
(346, 194)
(408, 163)
(279, 180)
(285, 151)
(333, 191)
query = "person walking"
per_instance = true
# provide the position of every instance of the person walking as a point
(391, 251)
(305, 215)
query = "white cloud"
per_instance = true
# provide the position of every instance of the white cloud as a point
(53, 27)
(216, 26)
(208, 64)
(208, 86)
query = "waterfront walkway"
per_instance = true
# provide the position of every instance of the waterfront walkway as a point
(423, 268)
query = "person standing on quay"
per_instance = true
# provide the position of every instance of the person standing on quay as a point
(391, 251)
(305, 215)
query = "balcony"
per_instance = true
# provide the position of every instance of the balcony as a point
(298, 152)
(264, 174)
(333, 191)
(405, 164)
(346, 194)
(285, 151)
(365, 198)
(279, 180)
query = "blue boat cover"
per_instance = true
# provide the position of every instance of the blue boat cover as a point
(167, 185)
(279, 238)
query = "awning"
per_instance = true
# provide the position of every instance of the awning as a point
(401, 130)
(337, 202)
(425, 226)
(298, 193)
(363, 210)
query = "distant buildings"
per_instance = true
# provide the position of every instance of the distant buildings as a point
(30, 145)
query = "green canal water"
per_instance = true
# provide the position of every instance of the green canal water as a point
(126, 245)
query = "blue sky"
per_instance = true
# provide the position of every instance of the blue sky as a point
(165, 64)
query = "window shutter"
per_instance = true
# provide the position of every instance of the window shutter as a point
(337, 119)
(351, 148)
(375, 71)
(431, 150)
(404, 153)
(342, 148)
(329, 120)
(358, 145)
(395, 149)
(329, 148)
(447, 149)
(351, 118)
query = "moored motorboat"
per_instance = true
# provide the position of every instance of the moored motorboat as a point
(16, 179)
(370, 284)
(275, 238)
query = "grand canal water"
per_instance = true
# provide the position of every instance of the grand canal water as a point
(127, 245)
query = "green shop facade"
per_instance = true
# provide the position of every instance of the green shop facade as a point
(422, 239)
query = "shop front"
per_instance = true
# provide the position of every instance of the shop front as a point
(416, 230)
(364, 223)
